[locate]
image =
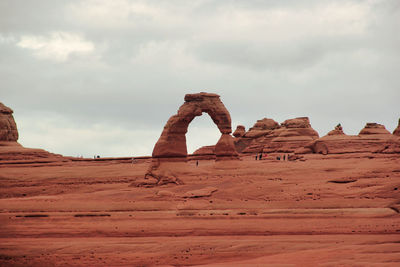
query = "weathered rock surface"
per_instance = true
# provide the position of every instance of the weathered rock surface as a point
(11, 151)
(373, 138)
(205, 150)
(337, 131)
(268, 136)
(8, 127)
(340, 210)
(261, 128)
(172, 142)
(203, 192)
(225, 148)
(397, 130)
(374, 128)
(240, 131)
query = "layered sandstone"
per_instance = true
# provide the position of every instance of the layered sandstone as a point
(373, 138)
(337, 131)
(11, 150)
(8, 127)
(269, 136)
(172, 142)
(240, 131)
(374, 128)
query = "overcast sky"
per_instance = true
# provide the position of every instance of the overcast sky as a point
(103, 77)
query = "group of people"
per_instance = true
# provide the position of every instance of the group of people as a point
(283, 157)
(260, 156)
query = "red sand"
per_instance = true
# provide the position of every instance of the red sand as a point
(333, 210)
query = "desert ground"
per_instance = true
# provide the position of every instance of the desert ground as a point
(323, 210)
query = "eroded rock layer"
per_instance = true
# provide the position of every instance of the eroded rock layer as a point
(269, 136)
(8, 127)
(373, 138)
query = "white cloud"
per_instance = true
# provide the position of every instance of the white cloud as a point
(6, 39)
(57, 46)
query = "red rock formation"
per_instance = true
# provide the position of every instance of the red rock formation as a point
(268, 136)
(397, 130)
(11, 151)
(225, 148)
(373, 138)
(337, 131)
(205, 152)
(240, 131)
(374, 128)
(172, 142)
(262, 128)
(8, 128)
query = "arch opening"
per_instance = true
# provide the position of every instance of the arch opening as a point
(172, 142)
(202, 132)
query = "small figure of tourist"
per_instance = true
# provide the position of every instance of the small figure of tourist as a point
(197, 163)
(260, 156)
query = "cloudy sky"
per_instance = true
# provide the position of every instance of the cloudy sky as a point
(102, 77)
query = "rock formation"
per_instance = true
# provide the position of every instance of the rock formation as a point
(11, 151)
(337, 131)
(172, 143)
(8, 127)
(373, 138)
(397, 130)
(374, 128)
(262, 127)
(240, 131)
(269, 136)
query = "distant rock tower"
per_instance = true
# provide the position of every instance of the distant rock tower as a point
(8, 127)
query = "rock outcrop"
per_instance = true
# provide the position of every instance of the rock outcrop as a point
(8, 127)
(240, 131)
(172, 143)
(397, 130)
(261, 128)
(373, 138)
(269, 136)
(337, 131)
(374, 128)
(11, 151)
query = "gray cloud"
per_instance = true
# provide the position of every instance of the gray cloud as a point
(91, 67)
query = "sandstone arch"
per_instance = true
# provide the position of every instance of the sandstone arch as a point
(172, 142)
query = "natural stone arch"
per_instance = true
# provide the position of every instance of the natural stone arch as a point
(172, 142)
